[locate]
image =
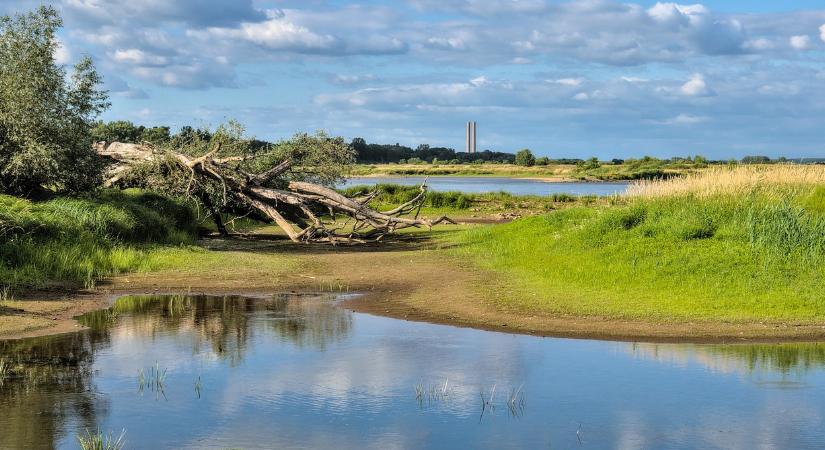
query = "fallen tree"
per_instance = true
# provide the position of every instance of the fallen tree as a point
(275, 185)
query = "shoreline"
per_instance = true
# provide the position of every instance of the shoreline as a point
(414, 283)
(539, 178)
(383, 304)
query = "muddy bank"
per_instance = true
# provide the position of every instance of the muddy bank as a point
(410, 279)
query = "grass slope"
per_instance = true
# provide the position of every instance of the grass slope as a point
(84, 240)
(741, 245)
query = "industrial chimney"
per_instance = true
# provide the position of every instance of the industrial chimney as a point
(471, 137)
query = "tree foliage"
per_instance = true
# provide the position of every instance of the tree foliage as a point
(45, 116)
(525, 158)
(128, 132)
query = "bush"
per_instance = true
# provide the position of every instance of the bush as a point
(525, 158)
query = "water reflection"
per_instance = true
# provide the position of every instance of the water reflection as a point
(224, 324)
(791, 358)
(47, 384)
(290, 371)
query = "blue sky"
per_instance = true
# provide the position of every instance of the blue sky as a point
(567, 79)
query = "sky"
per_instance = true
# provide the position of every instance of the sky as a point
(604, 78)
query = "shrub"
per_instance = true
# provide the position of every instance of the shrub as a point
(525, 158)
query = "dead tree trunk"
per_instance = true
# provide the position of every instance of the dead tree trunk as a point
(315, 209)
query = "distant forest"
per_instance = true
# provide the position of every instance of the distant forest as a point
(366, 153)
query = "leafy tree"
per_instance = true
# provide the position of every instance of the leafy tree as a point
(525, 158)
(45, 117)
(542, 161)
(117, 131)
(756, 160)
(156, 135)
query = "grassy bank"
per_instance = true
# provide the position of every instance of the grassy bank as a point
(727, 245)
(80, 241)
(464, 205)
(630, 170)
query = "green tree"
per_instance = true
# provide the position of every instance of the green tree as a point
(156, 135)
(45, 117)
(525, 158)
(117, 131)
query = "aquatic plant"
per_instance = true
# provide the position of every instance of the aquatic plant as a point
(515, 402)
(432, 393)
(99, 441)
(155, 380)
(198, 386)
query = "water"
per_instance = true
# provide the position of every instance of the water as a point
(514, 186)
(301, 372)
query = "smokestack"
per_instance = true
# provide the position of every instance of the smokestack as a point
(469, 137)
(474, 136)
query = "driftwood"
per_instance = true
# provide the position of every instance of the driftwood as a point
(306, 212)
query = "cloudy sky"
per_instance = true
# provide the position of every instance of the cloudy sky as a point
(605, 78)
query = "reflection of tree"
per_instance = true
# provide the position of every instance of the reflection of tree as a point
(309, 323)
(226, 323)
(784, 358)
(51, 379)
(49, 383)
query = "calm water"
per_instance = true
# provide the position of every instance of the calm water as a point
(496, 184)
(300, 372)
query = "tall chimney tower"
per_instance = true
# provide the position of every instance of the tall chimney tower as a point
(471, 137)
(474, 136)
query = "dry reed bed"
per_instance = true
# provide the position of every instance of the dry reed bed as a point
(775, 181)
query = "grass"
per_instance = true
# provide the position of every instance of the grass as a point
(746, 244)
(461, 204)
(646, 168)
(99, 441)
(81, 241)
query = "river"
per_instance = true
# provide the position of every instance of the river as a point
(515, 186)
(299, 371)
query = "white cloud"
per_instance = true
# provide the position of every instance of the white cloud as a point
(62, 55)
(138, 57)
(277, 33)
(696, 86)
(759, 44)
(569, 81)
(344, 79)
(801, 42)
(822, 33)
(684, 119)
(674, 13)
(479, 81)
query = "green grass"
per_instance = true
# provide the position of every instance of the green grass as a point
(84, 240)
(645, 168)
(99, 441)
(734, 258)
